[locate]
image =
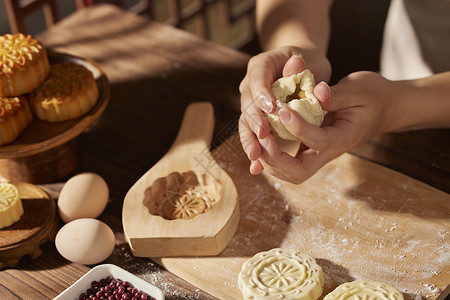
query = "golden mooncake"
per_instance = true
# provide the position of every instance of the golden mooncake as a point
(68, 92)
(15, 116)
(23, 64)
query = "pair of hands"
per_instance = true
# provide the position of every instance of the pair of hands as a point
(358, 107)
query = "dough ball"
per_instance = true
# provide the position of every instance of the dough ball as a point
(297, 93)
(281, 274)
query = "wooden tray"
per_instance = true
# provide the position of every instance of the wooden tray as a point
(37, 225)
(358, 219)
(46, 151)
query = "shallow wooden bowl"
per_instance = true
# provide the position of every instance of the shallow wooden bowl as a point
(46, 151)
(37, 225)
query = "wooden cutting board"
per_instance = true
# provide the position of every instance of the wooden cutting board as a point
(358, 219)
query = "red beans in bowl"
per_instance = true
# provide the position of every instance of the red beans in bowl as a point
(110, 288)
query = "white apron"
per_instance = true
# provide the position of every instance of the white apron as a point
(416, 39)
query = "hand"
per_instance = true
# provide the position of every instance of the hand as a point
(257, 96)
(360, 106)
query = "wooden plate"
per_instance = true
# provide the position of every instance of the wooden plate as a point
(37, 225)
(41, 136)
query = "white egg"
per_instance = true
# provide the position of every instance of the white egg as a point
(85, 241)
(83, 196)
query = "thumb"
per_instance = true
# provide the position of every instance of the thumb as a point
(294, 65)
(327, 96)
(340, 96)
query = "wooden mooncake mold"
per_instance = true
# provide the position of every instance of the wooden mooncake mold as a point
(186, 204)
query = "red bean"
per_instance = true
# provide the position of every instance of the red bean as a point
(126, 296)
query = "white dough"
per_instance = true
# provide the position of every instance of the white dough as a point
(281, 274)
(306, 104)
(364, 289)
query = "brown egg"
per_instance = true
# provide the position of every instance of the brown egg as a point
(85, 241)
(83, 196)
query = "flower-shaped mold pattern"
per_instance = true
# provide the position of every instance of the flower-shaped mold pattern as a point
(181, 196)
(281, 274)
(364, 290)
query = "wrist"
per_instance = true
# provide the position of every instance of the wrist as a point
(398, 111)
(304, 24)
(420, 104)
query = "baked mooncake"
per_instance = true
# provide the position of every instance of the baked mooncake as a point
(15, 116)
(297, 93)
(364, 289)
(281, 274)
(23, 64)
(11, 209)
(68, 92)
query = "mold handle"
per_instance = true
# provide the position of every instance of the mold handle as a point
(197, 126)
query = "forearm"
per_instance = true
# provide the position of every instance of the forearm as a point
(424, 103)
(301, 23)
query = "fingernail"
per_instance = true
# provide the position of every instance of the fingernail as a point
(264, 143)
(266, 105)
(322, 91)
(285, 115)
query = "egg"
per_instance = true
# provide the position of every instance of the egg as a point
(83, 196)
(85, 241)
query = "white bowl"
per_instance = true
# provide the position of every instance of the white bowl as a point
(99, 272)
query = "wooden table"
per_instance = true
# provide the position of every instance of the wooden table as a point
(155, 71)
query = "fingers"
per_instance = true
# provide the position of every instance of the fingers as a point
(315, 137)
(262, 74)
(254, 130)
(336, 97)
(255, 119)
(310, 135)
(256, 92)
(293, 169)
(256, 167)
(256, 98)
(276, 162)
(251, 146)
(248, 139)
(294, 65)
(327, 96)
